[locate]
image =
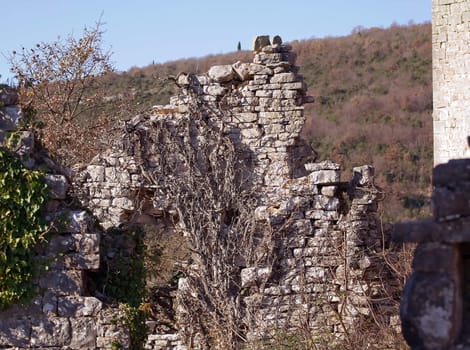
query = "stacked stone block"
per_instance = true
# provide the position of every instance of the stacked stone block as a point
(325, 231)
(109, 185)
(451, 91)
(260, 104)
(319, 279)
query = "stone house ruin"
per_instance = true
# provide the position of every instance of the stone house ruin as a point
(319, 234)
(284, 243)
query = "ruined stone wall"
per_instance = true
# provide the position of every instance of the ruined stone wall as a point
(451, 91)
(325, 275)
(62, 314)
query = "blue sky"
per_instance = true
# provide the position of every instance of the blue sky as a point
(140, 32)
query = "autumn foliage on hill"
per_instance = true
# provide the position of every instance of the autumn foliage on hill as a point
(373, 105)
(373, 93)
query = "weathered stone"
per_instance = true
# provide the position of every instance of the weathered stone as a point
(83, 333)
(436, 257)
(328, 191)
(183, 80)
(88, 243)
(246, 117)
(259, 42)
(260, 69)
(215, 90)
(58, 186)
(49, 304)
(453, 231)
(363, 175)
(283, 78)
(319, 214)
(263, 93)
(450, 203)
(252, 133)
(15, 332)
(294, 86)
(254, 276)
(10, 116)
(431, 311)
(453, 174)
(325, 203)
(284, 94)
(70, 282)
(48, 332)
(450, 75)
(325, 165)
(324, 177)
(123, 203)
(8, 95)
(96, 173)
(276, 40)
(261, 113)
(221, 74)
(242, 70)
(80, 261)
(59, 244)
(268, 58)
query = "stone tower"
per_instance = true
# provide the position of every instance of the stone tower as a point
(451, 78)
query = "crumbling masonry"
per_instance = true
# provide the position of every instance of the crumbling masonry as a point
(323, 270)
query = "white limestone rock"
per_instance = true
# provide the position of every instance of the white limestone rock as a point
(215, 90)
(252, 276)
(242, 70)
(259, 42)
(78, 306)
(324, 177)
(221, 74)
(283, 78)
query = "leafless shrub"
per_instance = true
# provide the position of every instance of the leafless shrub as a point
(195, 166)
(62, 93)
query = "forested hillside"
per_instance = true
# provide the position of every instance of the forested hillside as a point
(373, 105)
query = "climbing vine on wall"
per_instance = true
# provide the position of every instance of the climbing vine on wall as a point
(23, 193)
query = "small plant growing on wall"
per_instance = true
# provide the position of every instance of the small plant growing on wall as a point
(22, 196)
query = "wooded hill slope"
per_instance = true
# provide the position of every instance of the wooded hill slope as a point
(373, 105)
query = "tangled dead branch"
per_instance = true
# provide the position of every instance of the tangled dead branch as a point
(196, 169)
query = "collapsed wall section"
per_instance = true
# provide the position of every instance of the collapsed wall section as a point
(322, 239)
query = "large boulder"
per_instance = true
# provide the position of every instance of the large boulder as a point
(221, 74)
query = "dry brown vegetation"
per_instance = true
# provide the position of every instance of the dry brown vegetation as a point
(62, 94)
(374, 105)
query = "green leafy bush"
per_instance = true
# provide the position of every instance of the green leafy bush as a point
(22, 195)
